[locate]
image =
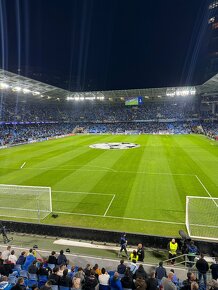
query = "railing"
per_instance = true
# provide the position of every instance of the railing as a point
(183, 260)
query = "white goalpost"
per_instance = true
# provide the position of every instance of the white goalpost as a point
(29, 202)
(202, 217)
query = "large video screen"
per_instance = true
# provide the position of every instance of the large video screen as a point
(134, 101)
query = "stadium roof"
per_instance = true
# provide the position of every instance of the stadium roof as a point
(23, 85)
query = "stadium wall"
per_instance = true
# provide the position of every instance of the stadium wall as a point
(158, 242)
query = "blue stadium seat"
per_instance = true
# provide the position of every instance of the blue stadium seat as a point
(24, 273)
(64, 288)
(32, 276)
(51, 266)
(54, 287)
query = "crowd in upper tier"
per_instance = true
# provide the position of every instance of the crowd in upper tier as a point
(23, 111)
(49, 119)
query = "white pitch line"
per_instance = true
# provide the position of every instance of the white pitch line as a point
(109, 205)
(83, 192)
(216, 227)
(114, 171)
(117, 217)
(22, 165)
(206, 190)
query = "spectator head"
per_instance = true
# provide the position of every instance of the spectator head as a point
(161, 264)
(173, 241)
(80, 269)
(139, 246)
(55, 270)
(92, 272)
(170, 275)
(20, 281)
(23, 253)
(171, 270)
(134, 252)
(48, 283)
(88, 266)
(95, 267)
(121, 261)
(152, 274)
(202, 255)
(61, 252)
(134, 261)
(30, 251)
(62, 267)
(103, 271)
(12, 252)
(65, 272)
(72, 267)
(9, 248)
(116, 276)
(53, 253)
(194, 286)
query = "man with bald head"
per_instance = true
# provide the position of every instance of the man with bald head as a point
(167, 283)
(172, 249)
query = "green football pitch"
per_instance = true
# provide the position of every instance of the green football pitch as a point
(139, 190)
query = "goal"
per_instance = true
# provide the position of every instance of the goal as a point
(29, 202)
(202, 217)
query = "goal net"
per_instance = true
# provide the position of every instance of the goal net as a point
(202, 217)
(29, 202)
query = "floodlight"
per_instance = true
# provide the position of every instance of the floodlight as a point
(16, 89)
(4, 86)
(35, 93)
(26, 91)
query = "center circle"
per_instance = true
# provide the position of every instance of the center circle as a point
(115, 145)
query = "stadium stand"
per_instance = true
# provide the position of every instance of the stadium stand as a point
(63, 277)
(23, 120)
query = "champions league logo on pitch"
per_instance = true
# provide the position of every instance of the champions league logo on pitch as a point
(115, 145)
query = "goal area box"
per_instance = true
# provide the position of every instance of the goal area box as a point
(202, 217)
(29, 202)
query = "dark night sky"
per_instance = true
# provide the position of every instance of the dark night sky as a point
(104, 44)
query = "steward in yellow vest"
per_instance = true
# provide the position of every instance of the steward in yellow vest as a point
(172, 248)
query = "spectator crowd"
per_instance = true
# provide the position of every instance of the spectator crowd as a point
(29, 270)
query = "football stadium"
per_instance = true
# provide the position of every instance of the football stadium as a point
(108, 145)
(111, 164)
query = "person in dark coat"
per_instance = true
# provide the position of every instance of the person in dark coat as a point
(152, 282)
(21, 259)
(65, 280)
(19, 285)
(202, 267)
(214, 270)
(140, 253)
(52, 258)
(61, 260)
(127, 280)
(140, 272)
(54, 277)
(90, 281)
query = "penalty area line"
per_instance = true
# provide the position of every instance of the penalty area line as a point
(23, 165)
(118, 217)
(204, 187)
(109, 205)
